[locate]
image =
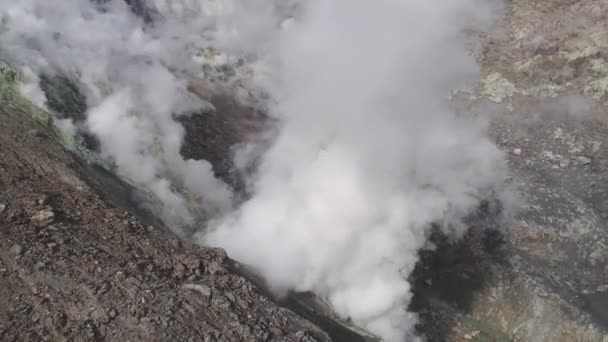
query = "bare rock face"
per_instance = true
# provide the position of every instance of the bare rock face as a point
(544, 82)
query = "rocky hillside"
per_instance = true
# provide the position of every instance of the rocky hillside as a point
(74, 265)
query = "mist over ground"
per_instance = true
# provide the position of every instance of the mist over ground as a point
(368, 152)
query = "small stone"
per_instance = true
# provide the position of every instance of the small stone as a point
(230, 297)
(517, 151)
(179, 270)
(220, 254)
(2, 207)
(244, 331)
(59, 319)
(596, 258)
(193, 263)
(101, 288)
(112, 313)
(36, 133)
(221, 303)
(276, 331)
(202, 289)
(42, 200)
(52, 245)
(564, 163)
(303, 336)
(583, 160)
(43, 218)
(164, 321)
(17, 249)
(243, 304)
(471, 335)
(215, 268)
(145, 320)
(103, 318)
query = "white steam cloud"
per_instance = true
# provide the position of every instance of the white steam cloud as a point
(135, 78)
(368, 155)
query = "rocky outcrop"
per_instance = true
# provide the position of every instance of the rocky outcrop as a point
(543, 88)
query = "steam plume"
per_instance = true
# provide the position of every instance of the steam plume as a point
(132, 76)
(368, 156)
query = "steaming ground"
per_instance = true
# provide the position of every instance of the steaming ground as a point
(368, 154)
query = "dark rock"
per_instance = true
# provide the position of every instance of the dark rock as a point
(215, 268)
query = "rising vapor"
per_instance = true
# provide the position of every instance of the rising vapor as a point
(368, 152)
(368, 156)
